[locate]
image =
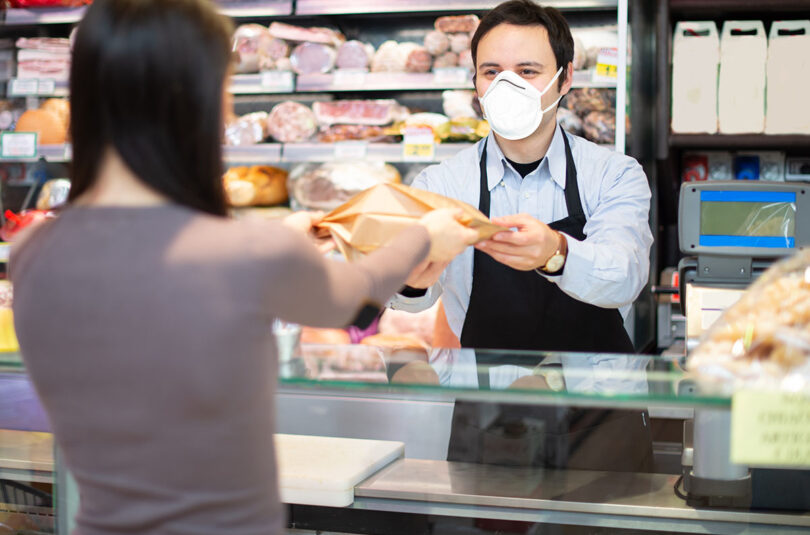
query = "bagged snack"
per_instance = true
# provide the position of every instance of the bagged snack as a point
(763, 339)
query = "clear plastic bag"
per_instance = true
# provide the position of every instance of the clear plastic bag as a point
(764, 339)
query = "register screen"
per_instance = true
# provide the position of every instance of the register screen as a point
(748, 219)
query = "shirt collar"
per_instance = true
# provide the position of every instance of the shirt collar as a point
(557, 166)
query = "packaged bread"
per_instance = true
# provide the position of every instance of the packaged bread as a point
(763, 339)
(261, 185)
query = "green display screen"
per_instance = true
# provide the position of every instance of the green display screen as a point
(748, 219)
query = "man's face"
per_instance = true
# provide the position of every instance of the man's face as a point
(525, 50)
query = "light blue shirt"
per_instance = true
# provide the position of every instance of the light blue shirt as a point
(607, 269)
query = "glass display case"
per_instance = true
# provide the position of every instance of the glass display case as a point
(548, 438)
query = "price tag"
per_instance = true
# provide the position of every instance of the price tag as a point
(349, 77)
(350, 150)
(68, 152)
(18, 145)
(418, 145)
(21, 87)
(770, 428)
(5, 251)
(46, 87)
(451, 76)
(281, 81)
(607, 63)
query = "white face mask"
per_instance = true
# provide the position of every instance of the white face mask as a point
(513, 106)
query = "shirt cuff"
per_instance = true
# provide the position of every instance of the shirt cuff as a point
(578, 264)
(415, 304)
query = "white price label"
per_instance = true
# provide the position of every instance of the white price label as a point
(350, 150)
(5, 251)
(281, 81)
(18, 145)
(418, 145)
(21, 87)
(350, 77)
(46, 87)
(68, 152)
(451, 76)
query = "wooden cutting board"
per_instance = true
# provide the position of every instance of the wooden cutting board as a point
(324, 470)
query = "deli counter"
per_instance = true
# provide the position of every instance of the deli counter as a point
(487, 439)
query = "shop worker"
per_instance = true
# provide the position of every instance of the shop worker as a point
(577, 257)
(579, 252)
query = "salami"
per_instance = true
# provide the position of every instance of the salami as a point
(457, 24)
(437, 42)
(289, 32)
(459, 42)
(250, 43)
(353, 55)
(448, 59)
(291, 122)
(310, 58)
(418, 59)
(465, 60)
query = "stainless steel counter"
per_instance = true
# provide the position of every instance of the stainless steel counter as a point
(590, 498)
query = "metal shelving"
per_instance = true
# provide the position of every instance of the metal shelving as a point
(739, 141)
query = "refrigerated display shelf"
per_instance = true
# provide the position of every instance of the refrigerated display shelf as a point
(331, 7)
(68, 15)
(283, 82)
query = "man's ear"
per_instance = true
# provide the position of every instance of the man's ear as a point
(569, 79)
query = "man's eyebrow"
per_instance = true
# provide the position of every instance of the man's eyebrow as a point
(530, 64)
(488, 64)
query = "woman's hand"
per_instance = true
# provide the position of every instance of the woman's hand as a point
(448, 237)
(302, 221)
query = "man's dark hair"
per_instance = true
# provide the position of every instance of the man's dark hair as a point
(146, 79)
(527, 13)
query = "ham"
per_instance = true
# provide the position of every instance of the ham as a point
(298, 34)
(365, 112)
(312, 58)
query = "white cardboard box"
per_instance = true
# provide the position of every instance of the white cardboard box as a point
(741, 87)
(788, 69)
(695, 56)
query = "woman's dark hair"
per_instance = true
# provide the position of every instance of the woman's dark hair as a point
(146, 79)
(527, 13)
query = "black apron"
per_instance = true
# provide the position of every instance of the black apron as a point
(521, 310)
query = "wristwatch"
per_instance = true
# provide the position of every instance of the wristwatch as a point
(553, 376)
(557, 260)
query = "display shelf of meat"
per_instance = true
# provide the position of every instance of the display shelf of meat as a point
(262, 153)
(25, 87)
(358, 150)
(332, 7)
(358, 80)
(63, 15)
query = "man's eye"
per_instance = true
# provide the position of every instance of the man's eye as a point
(528, 72)
(491, 72)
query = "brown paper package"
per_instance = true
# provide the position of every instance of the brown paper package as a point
(372, 218)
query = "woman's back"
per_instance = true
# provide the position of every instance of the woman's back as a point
(147, 332)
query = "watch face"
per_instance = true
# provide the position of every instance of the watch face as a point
(555, 263)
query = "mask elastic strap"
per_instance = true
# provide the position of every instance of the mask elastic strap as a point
(555, 103)
(559, 71)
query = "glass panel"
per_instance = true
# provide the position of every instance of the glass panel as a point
(501, 376)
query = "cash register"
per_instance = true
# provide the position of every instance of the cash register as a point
(731, 231)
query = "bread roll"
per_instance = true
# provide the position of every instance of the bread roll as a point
(49, 127)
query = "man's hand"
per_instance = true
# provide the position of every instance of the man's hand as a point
(529, 247)
(426, 274)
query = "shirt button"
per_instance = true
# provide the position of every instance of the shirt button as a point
(526, 195)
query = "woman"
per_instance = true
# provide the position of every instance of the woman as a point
(144, 314)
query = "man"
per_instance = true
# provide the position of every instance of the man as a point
(579, 253)
(578, 256)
